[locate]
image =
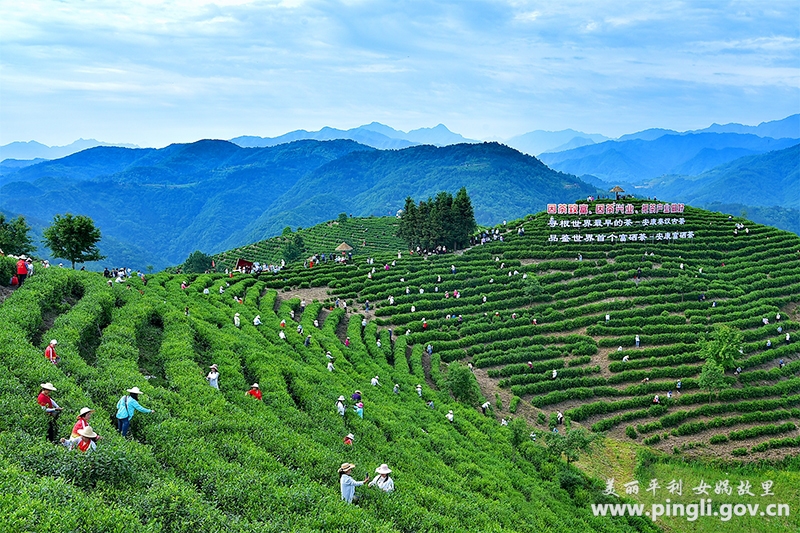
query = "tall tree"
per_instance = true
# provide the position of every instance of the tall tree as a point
(464, 218)
(443, 221)
(15, 236)
(73, 238)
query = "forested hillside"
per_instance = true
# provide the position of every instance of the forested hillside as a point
(163, 204)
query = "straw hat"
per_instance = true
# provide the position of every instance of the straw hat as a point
(214, 366)
(340, 398)
(383, 469)
(254, 386)
(53, 341)
(134, 390)
(87, 432)
(346, 467)
(237, 314)
(47, 386)
(85, 410)
(350, 436)
(358, 392)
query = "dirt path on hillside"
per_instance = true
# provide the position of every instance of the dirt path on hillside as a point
(5, 292)
(489, 387)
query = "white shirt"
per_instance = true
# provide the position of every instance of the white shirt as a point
(374, 382)
(213, 379)
(449, 416)
(384, 483)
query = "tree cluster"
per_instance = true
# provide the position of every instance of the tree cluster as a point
(443, 221)
(198, 262)
(14, 238)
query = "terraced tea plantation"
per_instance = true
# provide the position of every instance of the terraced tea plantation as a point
(364, 235)
(221, 461)
(548, 317)
(569, 298)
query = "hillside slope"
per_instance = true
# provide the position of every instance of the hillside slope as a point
(502, 182)
(217, 460)
(694, 271)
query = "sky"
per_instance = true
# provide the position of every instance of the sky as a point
(153, 73)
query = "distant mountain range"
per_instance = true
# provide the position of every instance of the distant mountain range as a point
(638, 160)
(771, 179)
(35, 150)
(158, 205)
(375, 134)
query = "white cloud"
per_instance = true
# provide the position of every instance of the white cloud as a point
(483, 68)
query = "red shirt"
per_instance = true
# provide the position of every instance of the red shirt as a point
(80, 424)
(84, 444)
(50, 352)
(45, 401)
(255, 393)
(22, 267)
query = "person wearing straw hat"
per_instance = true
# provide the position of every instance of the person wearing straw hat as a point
(382, 480)
(348, 484)
(257, 320)
(449, 415)
(213, 377)
(88, 439)
(127, 407)
(236, 321)
(340, 408)
(348, 439)
(254, 391)
(50, 352)
(82, 422)
(51, 408)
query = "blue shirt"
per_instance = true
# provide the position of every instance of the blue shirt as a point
(127, 406)
(349, 485)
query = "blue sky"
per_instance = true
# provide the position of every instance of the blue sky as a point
(152, 73)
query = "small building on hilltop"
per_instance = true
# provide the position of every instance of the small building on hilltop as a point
(243, 265)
